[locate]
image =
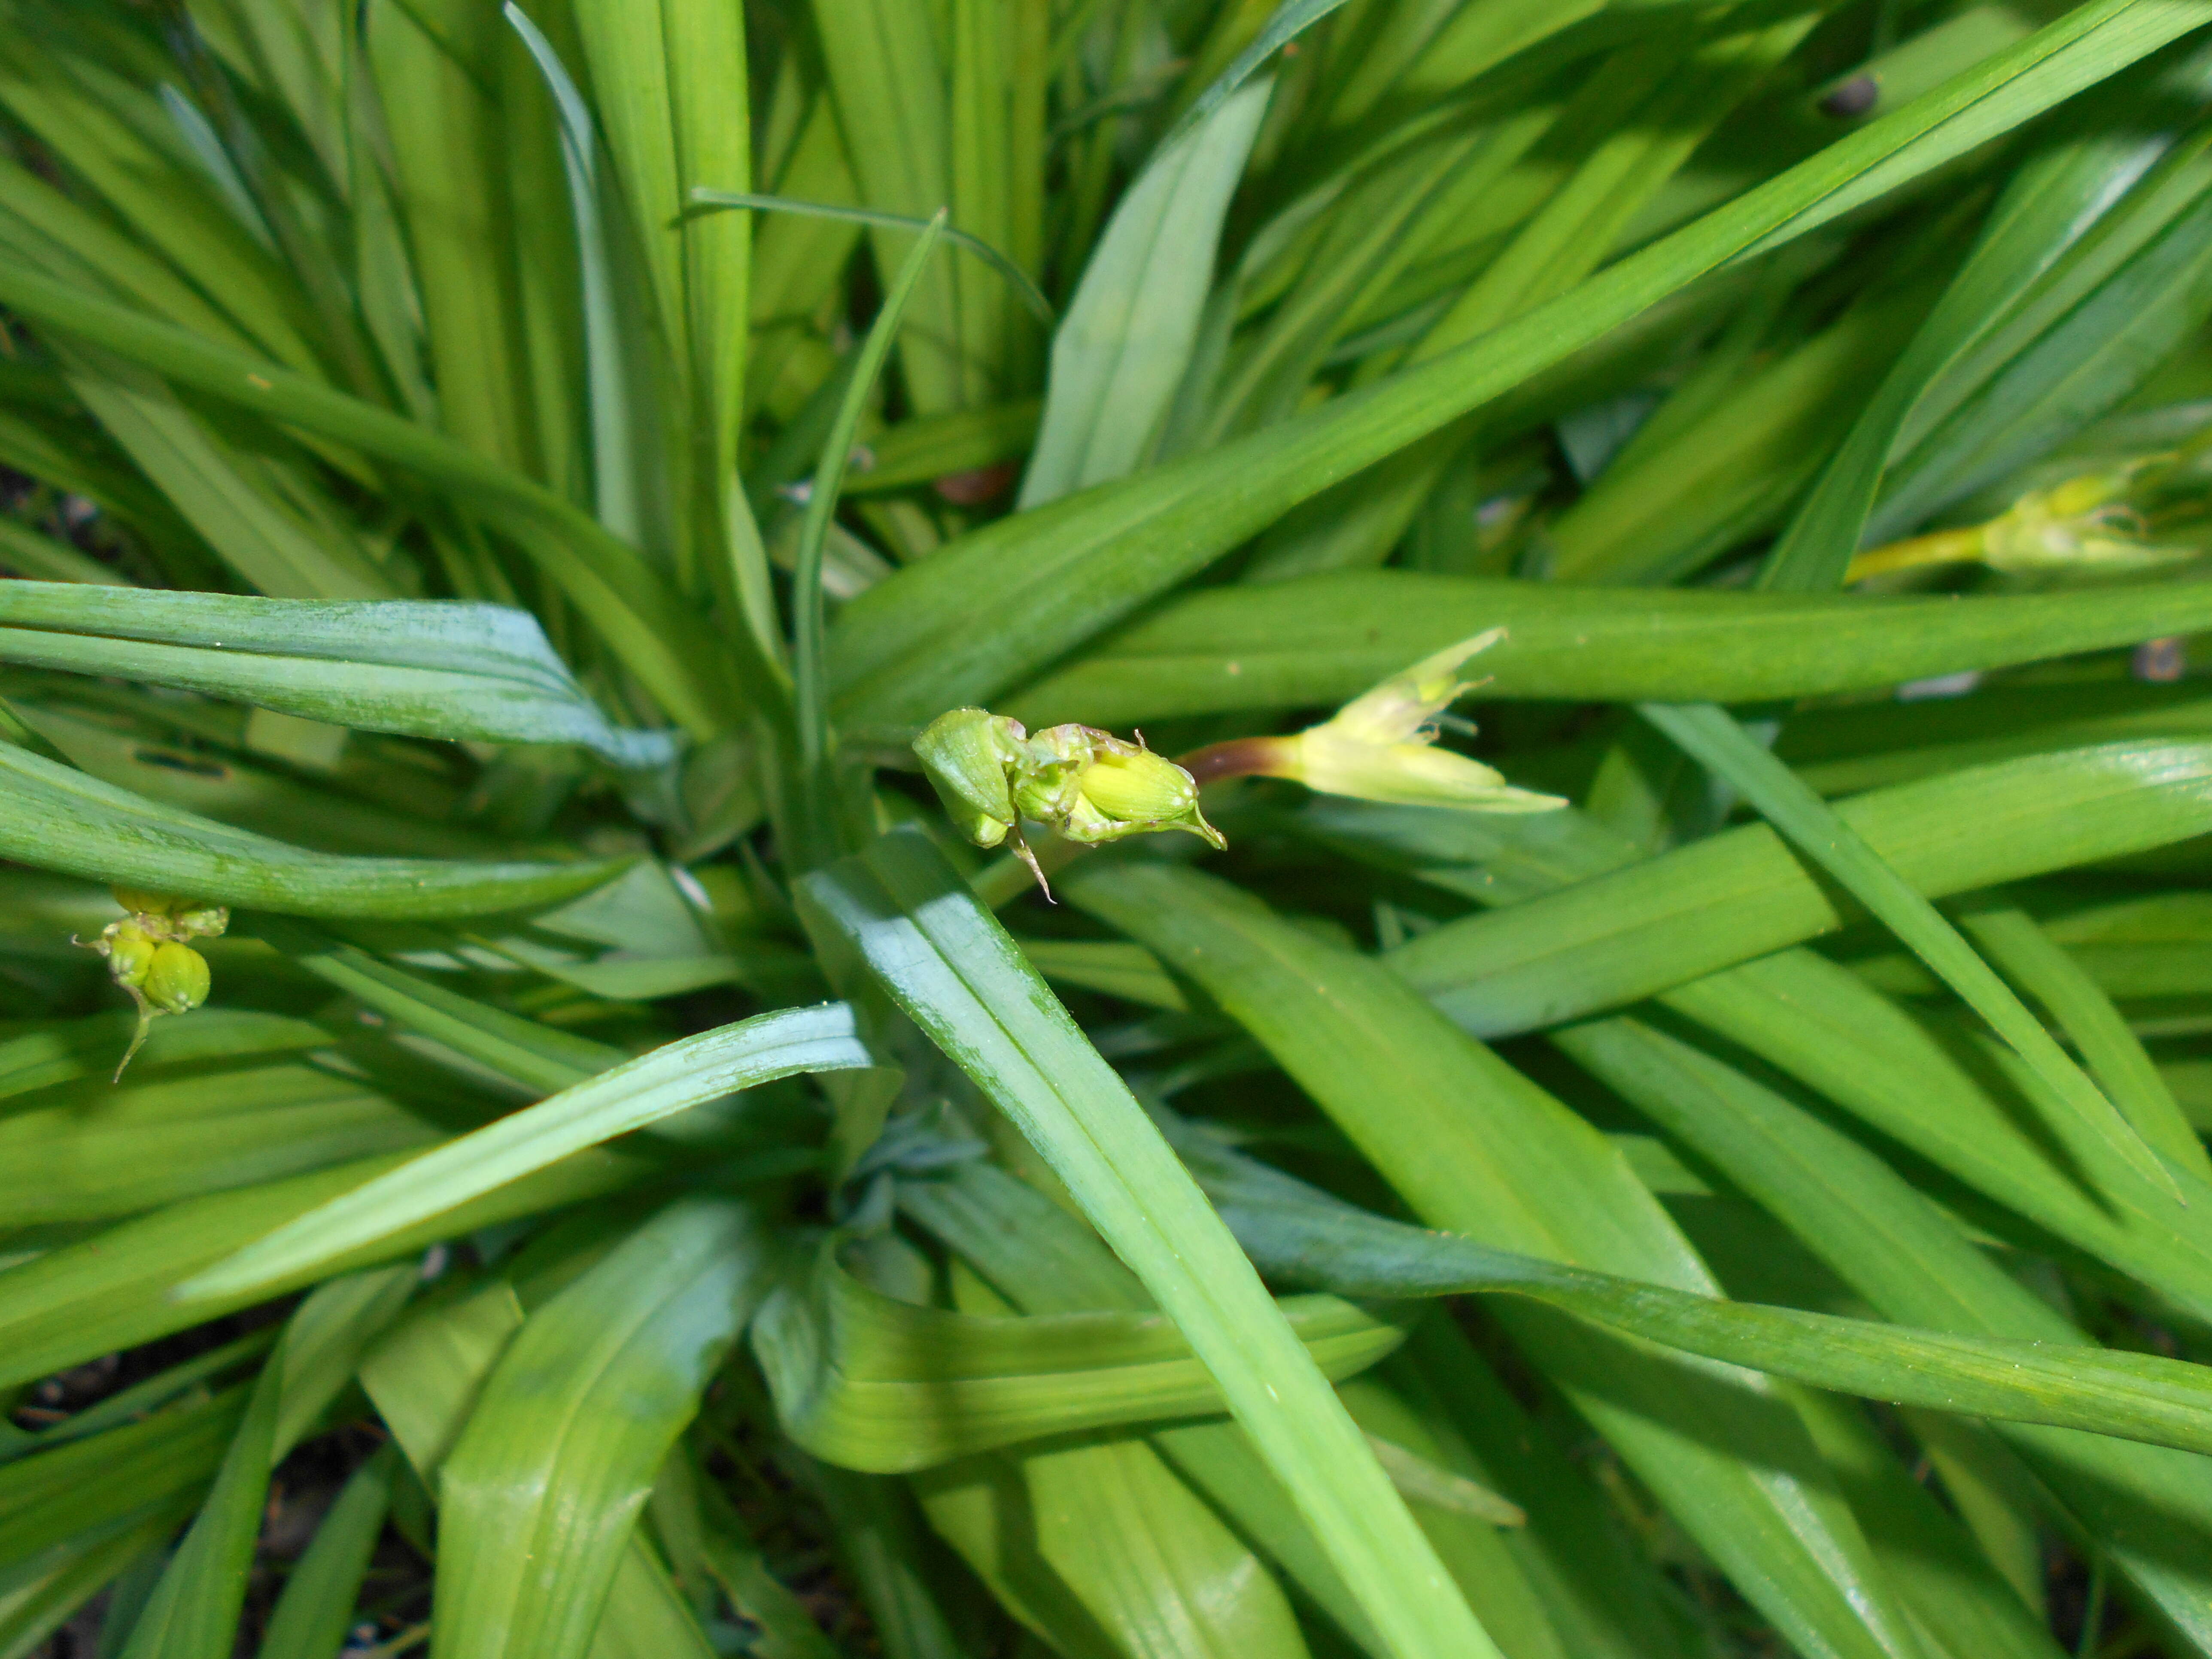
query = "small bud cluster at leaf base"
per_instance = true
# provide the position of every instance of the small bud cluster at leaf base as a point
(1380, 747)
(1086, 785)
(150, 955)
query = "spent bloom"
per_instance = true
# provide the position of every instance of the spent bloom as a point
(2086, 523)
(1380, 746)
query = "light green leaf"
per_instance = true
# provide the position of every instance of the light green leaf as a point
(2025, 953)
(2045, 212)
(194, 1610)
(539, 1497)
(614, 462)
(2146, 1506)
(666, 645)
(1121, 349)
(1743, 894)
(426, 1378)
(810, 692)
(1713, 737)
(670, 1079)
(1471, 1143)
(424, 668)
(316, 1607)
(869, 1382)
(1301, 1234)
(54, 818)
(907, 649)
(1323, 639)
(115, 1289)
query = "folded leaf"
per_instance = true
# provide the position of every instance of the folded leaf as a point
(869, 1382)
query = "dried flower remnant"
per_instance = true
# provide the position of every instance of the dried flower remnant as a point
(1380, 746)
(2089, 523)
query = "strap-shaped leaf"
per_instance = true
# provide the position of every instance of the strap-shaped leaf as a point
(1322, 640)
(194, 1610)
(1125, 341)
(1711, 736)
(668, 1080)
(1472, 1144)
(1743, 893)
(1302, 1234)
(664, 644)
(1817, 1021)
(963, 981)
(55, 817)
(423, 668)
(2046, 211)
(117, 1288)
(538, 1499)
(869, 1382)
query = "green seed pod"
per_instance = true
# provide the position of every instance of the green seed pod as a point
(178, 982)
(129, 950)
(143, 902)
(967, 756)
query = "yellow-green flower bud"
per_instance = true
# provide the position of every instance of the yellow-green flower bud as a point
(129, 950)
(968, 755)
(143, 902)
(177, 981)
(1127, 790)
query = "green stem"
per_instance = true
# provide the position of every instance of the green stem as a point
(811, 693)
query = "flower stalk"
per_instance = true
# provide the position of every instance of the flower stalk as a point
(1088, 786)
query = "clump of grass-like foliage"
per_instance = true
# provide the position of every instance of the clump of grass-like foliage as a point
(572, 570)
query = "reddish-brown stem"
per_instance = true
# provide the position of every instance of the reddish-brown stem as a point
(1239, 758)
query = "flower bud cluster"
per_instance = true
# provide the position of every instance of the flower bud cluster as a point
(1086, 785)
(149, 954)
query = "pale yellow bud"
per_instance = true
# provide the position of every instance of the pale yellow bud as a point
(143, 902)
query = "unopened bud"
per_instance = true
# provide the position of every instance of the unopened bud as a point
(1088, 785)
(2086, 523)
(1127, 790)
(176, 981)
(143, 902)
(129, 950)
